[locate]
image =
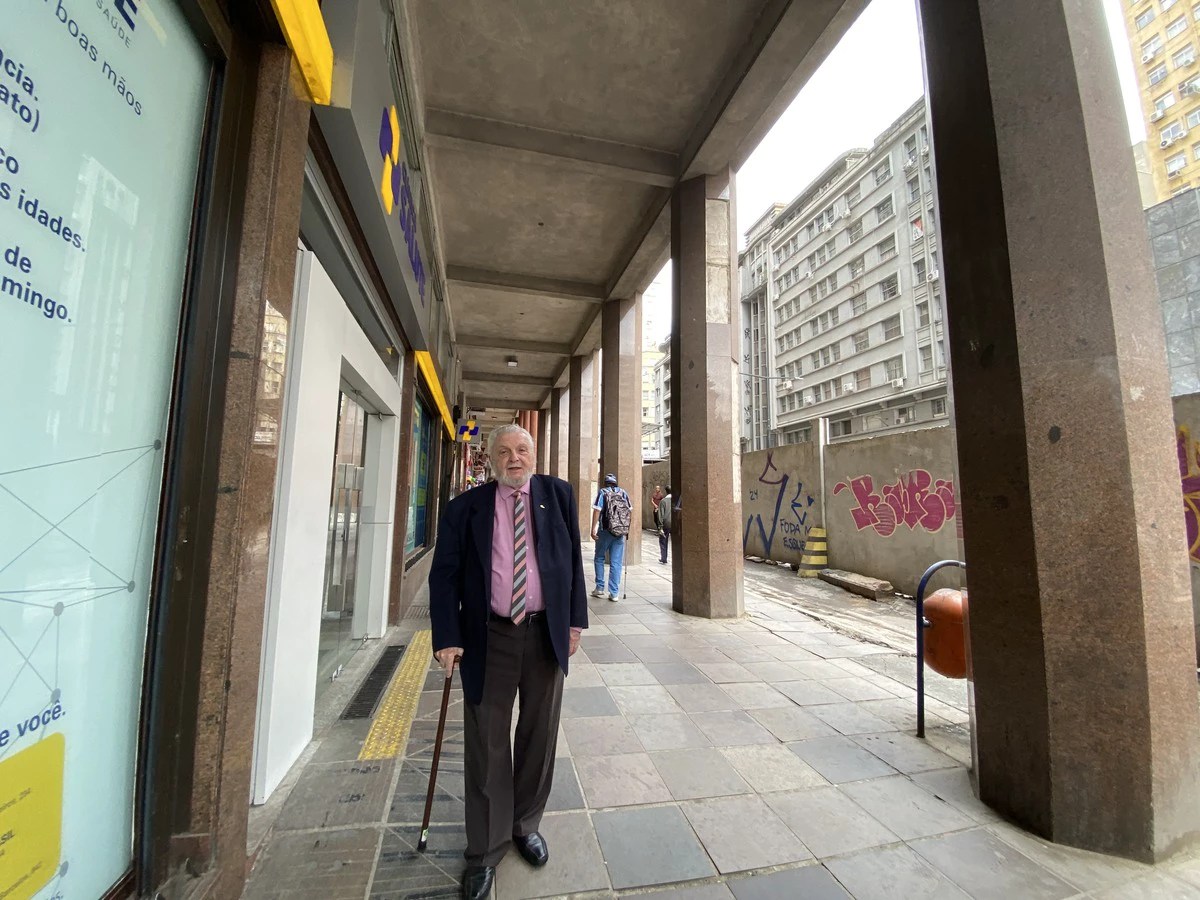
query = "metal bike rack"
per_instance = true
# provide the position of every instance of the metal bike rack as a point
(922, 624)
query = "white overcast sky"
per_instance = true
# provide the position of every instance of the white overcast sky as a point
(871, 77)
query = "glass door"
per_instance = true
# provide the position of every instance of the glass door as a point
(341, 546)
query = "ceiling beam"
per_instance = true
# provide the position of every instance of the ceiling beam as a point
(554, 149)
(490, 378)
(514, 283)
(507, 344)
(491, 403)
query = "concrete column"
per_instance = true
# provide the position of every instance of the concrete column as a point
(1086, 723)
(705, 459)
(560, 403)
(581, 448)
(621, 406)
(543, 438)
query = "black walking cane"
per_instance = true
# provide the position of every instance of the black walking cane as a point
(437, 754)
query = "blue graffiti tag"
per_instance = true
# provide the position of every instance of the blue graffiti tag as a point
(794, 533)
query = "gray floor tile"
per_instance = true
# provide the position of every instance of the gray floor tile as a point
(703, 654)
(731, 729)
(887, 873)
(692, 774)
(697, 698)
(773, 671)
(582, 675)
(906, 809)
(857, 689)
(828, 822)
(792, 723)
(342, 742)
(742, 833)
(339, 793)
(990, 869)
(1086, 871)
(756, 695)
(575, 863)
(954, 786)
(818, 670)
(687, 892)
(403, 872)
(620, 780)
(726, 672)
(792, 653)
(1155, 886)
(812, 882)
(625, 673)
(772, 767)
(600, 736)
(565, 792)
(653, 845)
(748, 654)
(677, 673)
(335, 865)
(412, 788)
(600, 655)
(849, 719)
(657, 654)
(645, 700)
(840, 760)
(808, 693)
(587, 701)
(905, 752)
(668, 732)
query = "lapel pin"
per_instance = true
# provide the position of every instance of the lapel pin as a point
(542, 505)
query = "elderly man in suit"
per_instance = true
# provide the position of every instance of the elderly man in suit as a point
(507, 595)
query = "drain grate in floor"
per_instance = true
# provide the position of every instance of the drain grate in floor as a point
(370, 692)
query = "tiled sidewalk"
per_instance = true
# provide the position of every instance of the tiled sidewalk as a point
(769, 757)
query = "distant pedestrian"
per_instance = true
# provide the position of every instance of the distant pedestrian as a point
(662, 518)
(611, 516)
(655, 499)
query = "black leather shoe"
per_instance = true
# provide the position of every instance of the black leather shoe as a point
(533, 848)
(478, 881)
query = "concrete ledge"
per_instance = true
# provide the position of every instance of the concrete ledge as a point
(871, 588)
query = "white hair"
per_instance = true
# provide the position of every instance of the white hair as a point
(507, 429)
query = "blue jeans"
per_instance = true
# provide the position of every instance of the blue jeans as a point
(612, 548)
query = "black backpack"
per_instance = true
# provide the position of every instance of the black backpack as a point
(618, 512)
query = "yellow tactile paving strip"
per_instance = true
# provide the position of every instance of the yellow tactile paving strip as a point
(389, 732)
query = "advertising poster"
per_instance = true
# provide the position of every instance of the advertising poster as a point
(102, 106)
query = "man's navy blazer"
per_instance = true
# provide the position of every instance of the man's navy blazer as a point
(460, 582)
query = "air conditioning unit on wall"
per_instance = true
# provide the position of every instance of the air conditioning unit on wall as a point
(897, 383)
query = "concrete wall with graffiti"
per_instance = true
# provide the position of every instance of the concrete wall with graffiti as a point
(1187, 445)
(892, 506)
(780, 501)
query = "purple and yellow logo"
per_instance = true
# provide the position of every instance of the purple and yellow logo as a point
(395, 190)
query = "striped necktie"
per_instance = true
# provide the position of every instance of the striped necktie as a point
(519, 547)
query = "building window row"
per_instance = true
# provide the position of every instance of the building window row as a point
(827, 355)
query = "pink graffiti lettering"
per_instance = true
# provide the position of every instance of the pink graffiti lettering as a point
(915, 501)
(1189, 479)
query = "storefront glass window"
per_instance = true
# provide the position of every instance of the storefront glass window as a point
(102, 106)
(418, 504)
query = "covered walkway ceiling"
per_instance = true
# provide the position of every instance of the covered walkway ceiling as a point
(554, 132)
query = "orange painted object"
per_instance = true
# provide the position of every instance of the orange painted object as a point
(946, 636)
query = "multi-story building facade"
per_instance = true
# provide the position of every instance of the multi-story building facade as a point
(651, 432)
(661, 435)
(1164, 36)
(858, 333)
(757, 363)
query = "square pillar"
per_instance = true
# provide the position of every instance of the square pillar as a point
(1086, 724)
(542, 437)
(705, 456)
(621, 407)
(560, 409)
(581, 448)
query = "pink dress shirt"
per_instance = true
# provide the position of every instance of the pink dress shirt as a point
(502, 554)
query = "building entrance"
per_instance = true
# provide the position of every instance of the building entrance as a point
(341, 546)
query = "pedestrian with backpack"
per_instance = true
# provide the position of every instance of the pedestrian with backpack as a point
(611, 516)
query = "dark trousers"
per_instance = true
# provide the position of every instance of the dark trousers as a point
(507, 785)
(664, 541)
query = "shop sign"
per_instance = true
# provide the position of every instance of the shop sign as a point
(102, 106)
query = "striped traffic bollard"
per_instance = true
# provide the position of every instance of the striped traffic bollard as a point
(816, 554)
